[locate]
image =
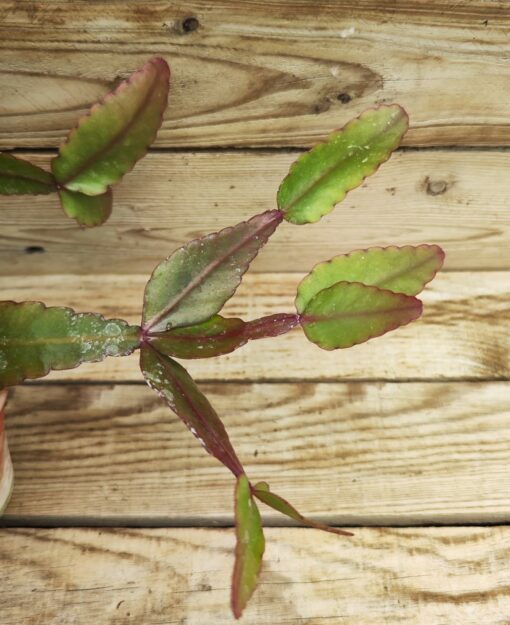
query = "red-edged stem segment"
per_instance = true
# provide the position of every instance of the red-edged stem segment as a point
(271, 325)
(174, 384)
(36, 339)
(116, 133)
(194, 283)
(321, 178)
(219, 335)
(18, 177)
(261, 491)
(403, 270)
(349, 313)
(250, 546)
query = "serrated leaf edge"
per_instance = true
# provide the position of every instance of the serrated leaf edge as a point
(48, 370)
(276, 215)
(237, 609)
(157, 60)
(304, 157)
(441, 256)
(419, 310)
(234, 464)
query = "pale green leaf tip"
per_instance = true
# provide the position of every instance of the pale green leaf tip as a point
(87, 210)
(262, 486)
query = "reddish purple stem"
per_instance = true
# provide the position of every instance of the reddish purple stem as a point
(272, 325)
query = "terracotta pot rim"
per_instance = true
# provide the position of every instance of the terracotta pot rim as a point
(6, 470)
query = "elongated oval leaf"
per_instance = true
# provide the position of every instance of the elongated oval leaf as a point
(192, 284)
(218, 335)
(399, 269)
(174, 384)
(322, 177)
(117, 132)
(88, 210)
(19, 177)
(250, 546)
(349, 313)
(6, 472)
(263, 492)
(35, 339)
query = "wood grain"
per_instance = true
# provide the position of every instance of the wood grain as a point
(272, 73)
(463, 333)
(456, 199)
(409, 429)
(355, 453)
(177, 576)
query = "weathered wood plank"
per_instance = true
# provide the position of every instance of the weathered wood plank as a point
(456, 199)
(356, 453)
(462, 334)
(173, 576)
(272, 73)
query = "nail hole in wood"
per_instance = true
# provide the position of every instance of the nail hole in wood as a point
(190, 24)
(34, 249)
(436, 187)
(344, 98)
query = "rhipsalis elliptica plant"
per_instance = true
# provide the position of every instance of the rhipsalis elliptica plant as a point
(105, 145)
(342, 302)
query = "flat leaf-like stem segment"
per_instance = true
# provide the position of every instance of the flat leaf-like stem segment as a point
(349, 313)
(399, 269)
(6, 472)
(108, 142)
(192, 284)
(19, 177)
(219, 335)
(262, 491)
(322, 177)
(88, 210)
(174, 384)
(35, 339)
(249, 546)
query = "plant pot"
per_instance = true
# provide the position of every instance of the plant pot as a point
(6, 472)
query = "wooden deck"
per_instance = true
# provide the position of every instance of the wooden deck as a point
(118, 517)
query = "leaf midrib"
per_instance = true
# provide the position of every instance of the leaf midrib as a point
(402, 272)
(47, 183)
(318, 181)
(210, 268)
(234, 460)
(307, 318)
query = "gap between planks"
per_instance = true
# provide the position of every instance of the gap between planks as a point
(192, 522)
